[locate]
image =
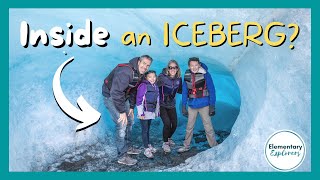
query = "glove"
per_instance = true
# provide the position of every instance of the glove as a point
(184, 111)
(212, 111)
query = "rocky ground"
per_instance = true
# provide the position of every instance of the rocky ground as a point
(95, 157)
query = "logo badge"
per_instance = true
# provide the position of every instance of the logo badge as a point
(285, 150)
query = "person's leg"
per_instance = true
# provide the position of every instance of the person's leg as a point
(166, 123)
(120, 129)
(144, 134)
(148, 130)
(206, 120)
(173, 120)
(129, 126)
(153, 150)
(145, 125)
(128, 138)
(166, 129)
(192, 117)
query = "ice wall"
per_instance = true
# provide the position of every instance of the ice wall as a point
(275, 83)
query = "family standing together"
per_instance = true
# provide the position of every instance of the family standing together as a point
(133, 85)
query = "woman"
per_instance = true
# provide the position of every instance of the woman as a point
(170, 83)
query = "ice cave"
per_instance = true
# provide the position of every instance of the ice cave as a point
(260, 89)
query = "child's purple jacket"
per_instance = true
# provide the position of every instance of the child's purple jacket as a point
(141, 100)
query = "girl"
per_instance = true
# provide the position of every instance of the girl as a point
(170, 83)
(148, 108)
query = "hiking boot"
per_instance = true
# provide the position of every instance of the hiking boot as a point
(148, 153)
(166, 147)
(153, 150)
(171, 142)
(127, 160)
(183, 149)
(133, 150)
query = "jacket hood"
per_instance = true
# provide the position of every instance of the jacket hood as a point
(164, 71)
(134, 63)
(205, 67)
(145, 81)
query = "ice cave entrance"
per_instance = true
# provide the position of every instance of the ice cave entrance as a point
(228, 103)
(227, 106)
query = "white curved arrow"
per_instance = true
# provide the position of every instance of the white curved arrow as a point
(87, 116)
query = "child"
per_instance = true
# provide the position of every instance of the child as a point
(148, 108)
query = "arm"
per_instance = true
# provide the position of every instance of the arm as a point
(120, 83)
(132, 98)
(132, 101)
(184, 93)
(142, 89)
(211, 89)
(180, 86)
(157, 112)
(160, 80)
(184, 99)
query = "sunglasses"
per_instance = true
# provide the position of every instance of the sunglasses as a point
(173, 67)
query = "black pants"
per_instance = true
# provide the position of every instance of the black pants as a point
(145, 126)
(169, 119)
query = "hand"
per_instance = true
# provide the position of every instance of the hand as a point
(212, 111)
(141, 117)
(184, 111)
(131, 113)
(123, 119)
